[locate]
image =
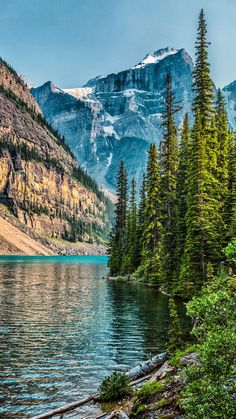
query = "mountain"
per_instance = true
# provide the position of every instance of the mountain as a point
(229, 92)
(47, 193)
(117, 116)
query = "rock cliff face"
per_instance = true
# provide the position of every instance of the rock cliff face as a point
(11, 81)
(118, 116)
(39, 178)
(229, 92)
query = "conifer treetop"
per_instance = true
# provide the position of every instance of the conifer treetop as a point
(202, 85)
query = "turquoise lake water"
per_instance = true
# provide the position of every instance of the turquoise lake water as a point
(64, 326)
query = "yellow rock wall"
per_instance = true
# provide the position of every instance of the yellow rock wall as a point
(44, 199)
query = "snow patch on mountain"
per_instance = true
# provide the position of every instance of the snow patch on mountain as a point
(109, 160)
(157, 56)
(109, 130)
(116, 117)
(80, 92)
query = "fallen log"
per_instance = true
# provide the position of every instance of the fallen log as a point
(165, 369)
(68, 407)
(140, 380)
(147, 366)
(133, 374)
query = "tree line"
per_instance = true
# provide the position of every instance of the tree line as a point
(173, 236)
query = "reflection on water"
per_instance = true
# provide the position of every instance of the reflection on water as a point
(63, 327)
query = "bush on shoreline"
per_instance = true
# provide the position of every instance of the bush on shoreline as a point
(114, 387)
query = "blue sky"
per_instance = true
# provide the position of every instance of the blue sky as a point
(71, 41)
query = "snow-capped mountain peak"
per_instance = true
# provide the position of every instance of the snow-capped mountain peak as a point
(80, 92)
(157, 56)
(115, 117)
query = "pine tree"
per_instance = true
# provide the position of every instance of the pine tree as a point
(118, 236)
(192, 267)
(230, 212)
(125, 264)
(151, 232)
(133, 227)
(141, 222)
(222, 172)
(151, 228)
(181, 193)
(168, 165)
(204, 219)
(175, 333)
(129, 262)
(203, 85)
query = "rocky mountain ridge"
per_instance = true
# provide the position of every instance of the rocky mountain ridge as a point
(117, 116)
(40, 181)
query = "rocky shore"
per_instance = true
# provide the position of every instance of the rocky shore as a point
(18, 239)
(158, 395)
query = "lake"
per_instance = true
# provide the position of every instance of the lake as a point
(63, 327)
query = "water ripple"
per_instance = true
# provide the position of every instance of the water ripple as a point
(63, 328)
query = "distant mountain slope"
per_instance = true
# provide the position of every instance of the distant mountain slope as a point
(230, 97)
(40, 180)
(99, 120)
(14, 241)
(14, 83)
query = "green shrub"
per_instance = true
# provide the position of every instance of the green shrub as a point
(206, 399)
(210, 387)
(230, 254)
(114, 387)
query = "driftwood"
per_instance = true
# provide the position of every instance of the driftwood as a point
(161, 373)
(147, 366)
(140, 380)
(67, 407)
(134, 376)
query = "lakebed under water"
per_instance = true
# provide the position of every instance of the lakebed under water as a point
(64, 326)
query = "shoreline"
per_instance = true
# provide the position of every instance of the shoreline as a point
(18, 240)
(132, 280)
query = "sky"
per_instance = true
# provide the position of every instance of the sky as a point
(71, 41)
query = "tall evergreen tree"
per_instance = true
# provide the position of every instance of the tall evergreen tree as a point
(140, 222)
(133, 232)
(175, 332)
(151, 227)
(230, 212)
(222, 171)
(181, 193)
(203, 85)
(203, 220)
(118, 235)
(130, 256)
(151, 233)
(193, 266)
(168, 166)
